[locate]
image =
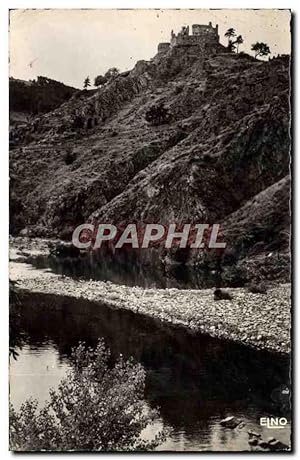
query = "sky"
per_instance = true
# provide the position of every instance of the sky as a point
(69, 45)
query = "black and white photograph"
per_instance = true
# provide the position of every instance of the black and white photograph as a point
(150, 212)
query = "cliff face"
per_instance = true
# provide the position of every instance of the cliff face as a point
(223, 142)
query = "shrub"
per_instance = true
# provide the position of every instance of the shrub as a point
(69, 157)
(78, 122)
(111, 74)
(157, 114)
(234, 276)
(96, 407)
(178, 89)
(100, 80)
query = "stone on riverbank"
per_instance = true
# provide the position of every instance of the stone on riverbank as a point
(261, 321)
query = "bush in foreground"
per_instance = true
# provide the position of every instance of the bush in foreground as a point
(96, 407)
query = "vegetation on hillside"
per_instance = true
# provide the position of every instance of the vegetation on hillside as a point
(260, 49)
(86, 83)
(38, 96)
(233, 44)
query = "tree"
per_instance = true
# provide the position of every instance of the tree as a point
(239, 40)
(260, 49)
(86, 83)
(96, 407)
(100, 80)
(112, 73)
(229, 34)
(233, 44)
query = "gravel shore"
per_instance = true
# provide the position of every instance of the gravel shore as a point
(261, 321)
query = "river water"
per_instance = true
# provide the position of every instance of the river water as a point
(126, 269)
(196, 381)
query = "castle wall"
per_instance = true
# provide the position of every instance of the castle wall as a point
(195, 40)
(203, 35)
(163, 47)
(199, 29)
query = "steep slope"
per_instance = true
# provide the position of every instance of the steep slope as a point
(225, 140)
(258, 235)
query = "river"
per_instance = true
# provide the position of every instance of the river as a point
(196, 381)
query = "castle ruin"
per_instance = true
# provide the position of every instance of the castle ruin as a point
(204, 37)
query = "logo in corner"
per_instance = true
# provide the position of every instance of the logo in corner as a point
(273, 423)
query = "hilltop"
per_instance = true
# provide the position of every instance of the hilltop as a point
(197, 134)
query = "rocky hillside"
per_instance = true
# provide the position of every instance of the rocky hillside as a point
(182, 138)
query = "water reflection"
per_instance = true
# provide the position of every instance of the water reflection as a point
(196, 381)
(126, 269)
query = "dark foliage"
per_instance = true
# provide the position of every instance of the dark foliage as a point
(100, 80)
(112, 73)
(96, 407)
(69, 157)
(39, 96)
(157, 115)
